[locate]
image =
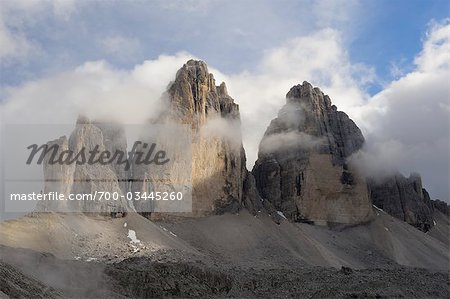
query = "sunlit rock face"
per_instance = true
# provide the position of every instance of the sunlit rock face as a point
(86, 178)
(302, 168)
(218, 158)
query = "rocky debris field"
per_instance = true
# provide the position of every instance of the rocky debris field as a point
(167, 276)
(143, 278)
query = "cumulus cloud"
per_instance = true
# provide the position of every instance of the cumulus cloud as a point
(407, 124)
(96, 90)
(319, 58)
(15, 45)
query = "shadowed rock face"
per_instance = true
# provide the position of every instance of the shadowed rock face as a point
(404, 199)
(441, 206)
(301, 167)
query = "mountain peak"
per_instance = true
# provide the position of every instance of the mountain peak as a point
(305, 93)
(302, 168)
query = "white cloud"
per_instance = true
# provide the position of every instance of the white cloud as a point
(407, 124)
(436, 49)
(330, 13)
(288, 141)
(121, 47)
(13, 45)
(319, 58)
(94, 89)
(201, 6)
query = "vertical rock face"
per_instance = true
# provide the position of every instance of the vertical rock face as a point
(301, 167)
(58, 178)
(403, 198)
(85, 178)
(218, 158)
(216, 169)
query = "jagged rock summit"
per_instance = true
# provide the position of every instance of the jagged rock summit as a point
(216, 169)
(302, 168)
(194, 97)
(301, 174)
(218, 157)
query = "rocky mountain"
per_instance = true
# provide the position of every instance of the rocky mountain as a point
(218, 160)
(214, 173)
(301, 174)
(302, 169)
(302, 177)
(218, 157)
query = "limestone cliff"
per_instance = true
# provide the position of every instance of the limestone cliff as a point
(218, 158)
(301, 167)
(85, 178)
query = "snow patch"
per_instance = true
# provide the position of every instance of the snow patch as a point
(434, 222)
(132, 236)
(91, 259)
(281, 214)
(125, 224)
(386, 228)
(172, 234)
(377, 208)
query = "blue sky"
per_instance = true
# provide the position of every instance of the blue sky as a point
(385, 63)
(393, 33)
(230, 35)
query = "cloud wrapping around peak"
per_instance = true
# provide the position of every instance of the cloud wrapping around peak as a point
(407, 125)
(319, 58)
(96, 90)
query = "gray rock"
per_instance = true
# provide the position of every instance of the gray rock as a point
(302, 169)
(114, 139)
(441, 206)
(218, 157)
(254, 203)
(83, 178)
(403, 198)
